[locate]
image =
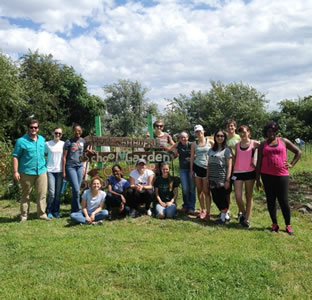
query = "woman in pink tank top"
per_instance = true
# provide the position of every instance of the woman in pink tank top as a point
(273, 166)
(244, 172)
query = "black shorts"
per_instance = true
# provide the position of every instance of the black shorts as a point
(199, 171)
(245, 176)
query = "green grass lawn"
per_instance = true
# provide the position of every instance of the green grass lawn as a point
(145, 258)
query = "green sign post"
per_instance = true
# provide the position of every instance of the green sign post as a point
(150, 126)
(98, 132)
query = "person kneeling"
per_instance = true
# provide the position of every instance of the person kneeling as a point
(166, 189)
(92, 205)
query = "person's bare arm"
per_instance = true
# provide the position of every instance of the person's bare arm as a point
(16, 174)
(294, 149)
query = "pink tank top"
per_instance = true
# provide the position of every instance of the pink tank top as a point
(273, 159)
(244, 158)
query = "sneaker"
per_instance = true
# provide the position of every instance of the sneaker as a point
(23, 219)
(202, 214)
(289, 230)
(183, 209)
(245, 223)
(207, 218)
(57, 215)
(50, 216)
(98, 222)
(149, 212)
(160, 216)
(241, 218)
(191, 212)
(275, 228)
(227, 216)
(223, 216)
(133, 213)
(219, 222)
(45, 218)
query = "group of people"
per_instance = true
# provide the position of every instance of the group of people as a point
(211, 165)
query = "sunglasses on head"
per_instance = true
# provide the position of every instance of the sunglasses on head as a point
(33, 127)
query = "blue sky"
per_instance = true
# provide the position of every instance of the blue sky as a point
(170, 46)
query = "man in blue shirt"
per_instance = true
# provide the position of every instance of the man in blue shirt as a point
(29, 167)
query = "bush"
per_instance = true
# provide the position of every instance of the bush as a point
(9, 188)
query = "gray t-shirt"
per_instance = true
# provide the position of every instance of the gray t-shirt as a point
(201, 159)
(93, 202)
(75, 150)
(217, 165)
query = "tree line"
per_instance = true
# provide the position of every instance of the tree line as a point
(38, 86)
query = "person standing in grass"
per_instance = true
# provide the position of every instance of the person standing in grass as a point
(219, 173)
(29, 167)
(141, 188)
(54, 149)
(117, 188)
(166, 190)
(183, 147)
(273, 166)
(198, 170)
(232, 139)
(92, 204)
(244, 172)
(73, 169)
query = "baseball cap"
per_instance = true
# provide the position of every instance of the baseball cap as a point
(141, 160)
(198, 127)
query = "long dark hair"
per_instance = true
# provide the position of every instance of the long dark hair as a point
(170, 178)
(215, 146)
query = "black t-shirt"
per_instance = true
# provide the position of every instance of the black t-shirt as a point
(184, 155)
(165, 192)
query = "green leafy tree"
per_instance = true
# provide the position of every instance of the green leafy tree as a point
(12, 103)
(56, 95)
(211, 109)
(127, 108)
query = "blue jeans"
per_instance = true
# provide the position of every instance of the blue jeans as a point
(55, 182)
(169, 211)
(188, 189)
(79, 217)
(74, 176)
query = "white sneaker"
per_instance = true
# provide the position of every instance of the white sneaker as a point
(223, 217)
(149, 212)
(228, 216)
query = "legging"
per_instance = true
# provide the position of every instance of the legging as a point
(277, 187)
(219, 196)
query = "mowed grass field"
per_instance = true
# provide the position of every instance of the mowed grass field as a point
(146, 258)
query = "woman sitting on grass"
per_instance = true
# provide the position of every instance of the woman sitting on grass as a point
(219, 172)
(117, 187)
(244, 173)
(92, 205)
(273, 166)
(141, 188)
(166, 190)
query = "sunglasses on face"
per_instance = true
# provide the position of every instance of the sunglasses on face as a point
(58, 133)
(159, 126)
(33, 127)
(220, 136)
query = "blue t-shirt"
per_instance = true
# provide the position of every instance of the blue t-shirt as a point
(75, 150)
(30, 155)
(118, 186)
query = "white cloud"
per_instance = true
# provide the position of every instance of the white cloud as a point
(172, 47)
